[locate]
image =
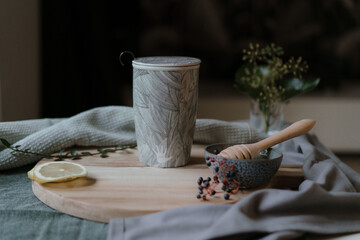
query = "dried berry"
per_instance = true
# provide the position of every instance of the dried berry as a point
(226, 171)
(200, 180)
(198, 196)
(206, 185)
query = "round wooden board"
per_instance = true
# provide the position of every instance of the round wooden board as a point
(121, 186)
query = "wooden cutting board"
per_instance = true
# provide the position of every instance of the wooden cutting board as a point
(121, 186)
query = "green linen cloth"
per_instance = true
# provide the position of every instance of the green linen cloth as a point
(23, 216)
(104, 126)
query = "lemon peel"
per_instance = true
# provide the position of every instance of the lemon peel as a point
(30, 173)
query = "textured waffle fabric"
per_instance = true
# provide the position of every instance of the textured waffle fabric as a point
(104, 126)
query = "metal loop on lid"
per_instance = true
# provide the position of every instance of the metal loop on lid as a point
(121, 54)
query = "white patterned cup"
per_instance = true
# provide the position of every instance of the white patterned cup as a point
(165, 99)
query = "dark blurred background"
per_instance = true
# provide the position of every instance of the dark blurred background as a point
(59, 58)
(81, 42)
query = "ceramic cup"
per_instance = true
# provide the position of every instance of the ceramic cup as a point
(165, 99)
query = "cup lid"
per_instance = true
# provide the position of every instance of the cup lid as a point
(166, 61)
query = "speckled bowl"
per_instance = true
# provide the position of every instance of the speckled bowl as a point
(249, 173)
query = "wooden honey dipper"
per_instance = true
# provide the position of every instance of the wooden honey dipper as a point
(249, 151)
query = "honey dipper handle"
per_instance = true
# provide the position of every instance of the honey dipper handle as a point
(296, 129)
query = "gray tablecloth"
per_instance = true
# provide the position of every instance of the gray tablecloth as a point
(327, 202)
(23, 216)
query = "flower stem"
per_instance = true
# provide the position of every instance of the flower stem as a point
(74, 154)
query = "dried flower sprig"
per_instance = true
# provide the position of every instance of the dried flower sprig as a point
(268, 79)
(255, 54)
(62, 154)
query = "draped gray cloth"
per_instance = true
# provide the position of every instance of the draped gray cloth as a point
(327, 202)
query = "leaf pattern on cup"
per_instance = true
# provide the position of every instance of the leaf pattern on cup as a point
(165, 106)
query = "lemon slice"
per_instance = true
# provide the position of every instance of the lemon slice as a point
(57, 172)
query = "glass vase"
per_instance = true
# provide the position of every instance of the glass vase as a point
(266, 118)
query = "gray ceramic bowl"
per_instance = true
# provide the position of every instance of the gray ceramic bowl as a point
(248, 173)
